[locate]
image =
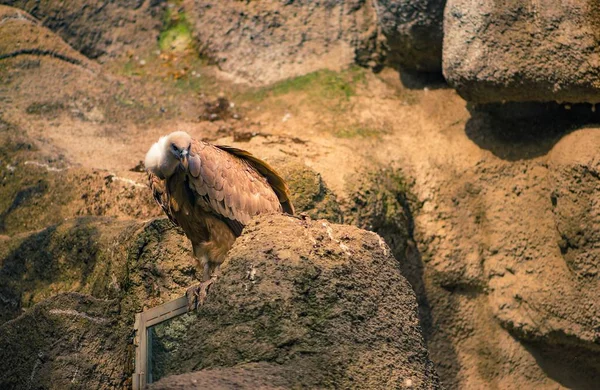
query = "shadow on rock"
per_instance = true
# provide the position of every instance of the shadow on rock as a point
(381, 201)
(42, 261)
(521, 131)
(435, 328)
(420, 80)
(572, 367)
(24, 195)
(70, 341)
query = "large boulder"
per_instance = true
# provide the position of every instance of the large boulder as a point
(414, 32)
(311, 303)
(262, 42)
(511, 265)
(518, 50)
(35, 196)
(325, 303)
(557, 307)
(549, 300)
(96, 28)
(111, 269)
(248, 376)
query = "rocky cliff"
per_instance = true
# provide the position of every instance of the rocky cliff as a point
(486, 204)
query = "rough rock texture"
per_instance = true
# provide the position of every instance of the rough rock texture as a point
(519, 50)
(34, 198)
(577, 216)
(381, 201)
(67, 341)
(22, 34)
(564, 309)
(94, 243)
(97, 28)
(327, 300)
(378, 200)
(325, 304)
(133, 265)
(143, 263)
(310, 195)
(265, 41)
(504, 224)
(249, 376)
(414, 31)
(510, 270)
(40, 189)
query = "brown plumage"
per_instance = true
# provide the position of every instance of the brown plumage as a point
(212, 191)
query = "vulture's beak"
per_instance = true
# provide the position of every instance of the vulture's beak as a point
(183, 159)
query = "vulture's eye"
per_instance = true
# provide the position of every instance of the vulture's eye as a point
(173, 147)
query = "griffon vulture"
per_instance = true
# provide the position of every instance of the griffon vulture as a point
(212, 192)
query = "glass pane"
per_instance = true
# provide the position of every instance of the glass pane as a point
(164, 342)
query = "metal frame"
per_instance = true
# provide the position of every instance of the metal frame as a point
(143, 339)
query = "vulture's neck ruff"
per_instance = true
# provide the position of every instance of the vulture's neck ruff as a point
(161, 160)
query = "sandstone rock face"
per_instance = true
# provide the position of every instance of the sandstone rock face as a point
(577, 215)
(266, 41)
(518, 50)
(140, 264)
(500, 243)
(550, 302)
(249, 376)
(112, 270)
(309, 193)
(23, 34)
(518, 260)
(68, 341)
(318, 304)
(325, 301)
(96, 28)
(414, 32)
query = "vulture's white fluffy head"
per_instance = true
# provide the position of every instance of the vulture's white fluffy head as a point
(165, 155)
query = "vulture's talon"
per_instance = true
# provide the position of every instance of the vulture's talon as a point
(196, 295)
(203, 290)
(192, 294)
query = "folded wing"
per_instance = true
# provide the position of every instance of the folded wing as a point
(161, 195)
(235, 185)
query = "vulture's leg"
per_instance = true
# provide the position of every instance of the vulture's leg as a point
(192, 293)
(211, 254)
(207, 283)
(196, 295)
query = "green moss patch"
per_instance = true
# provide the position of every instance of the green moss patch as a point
(177, 33)
(310, 195)
(381, 201)
(355, 131)
(323, 86)
(46, 109)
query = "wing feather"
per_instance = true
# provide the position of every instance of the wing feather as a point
(161, 195)
(234, 184)
(268, 173)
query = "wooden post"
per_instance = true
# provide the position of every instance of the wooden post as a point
(138, 381)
